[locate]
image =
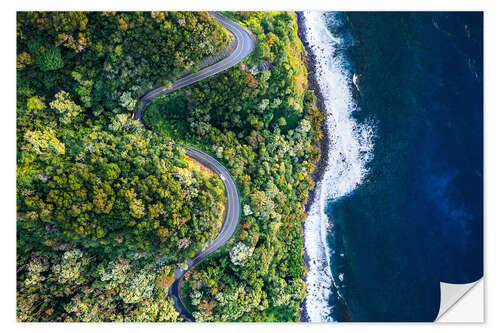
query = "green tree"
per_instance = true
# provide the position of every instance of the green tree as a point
(66, 108)
(50, 59)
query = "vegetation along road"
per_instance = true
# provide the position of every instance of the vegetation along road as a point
(245, 46)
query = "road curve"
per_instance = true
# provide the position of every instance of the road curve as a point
(245, 46)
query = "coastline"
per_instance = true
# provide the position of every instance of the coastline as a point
(322, 144)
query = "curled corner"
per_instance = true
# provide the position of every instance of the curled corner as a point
(451, 294)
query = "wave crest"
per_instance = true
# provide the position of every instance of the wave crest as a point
(350, 149)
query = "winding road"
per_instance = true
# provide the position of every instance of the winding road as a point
(245, 46)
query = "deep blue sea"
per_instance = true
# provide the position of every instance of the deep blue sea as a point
(400, 207)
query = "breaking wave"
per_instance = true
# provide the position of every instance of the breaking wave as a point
(350, 149)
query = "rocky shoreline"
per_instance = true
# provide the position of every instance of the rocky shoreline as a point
(323, 144)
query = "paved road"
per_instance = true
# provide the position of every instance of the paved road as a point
(245, 46)
(227, 231)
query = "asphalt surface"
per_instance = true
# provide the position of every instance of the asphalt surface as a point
(245, 46)
(228, 228)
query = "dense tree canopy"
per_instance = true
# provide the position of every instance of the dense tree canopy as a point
(106, 209)
(260, 120)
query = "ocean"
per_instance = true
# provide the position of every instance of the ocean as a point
(400, 205)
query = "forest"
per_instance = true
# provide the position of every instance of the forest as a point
(106, 210)
(261, 121)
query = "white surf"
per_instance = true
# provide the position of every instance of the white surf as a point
(350, 149)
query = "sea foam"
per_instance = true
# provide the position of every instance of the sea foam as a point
(350, 149)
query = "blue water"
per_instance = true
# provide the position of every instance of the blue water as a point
(417, 217)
